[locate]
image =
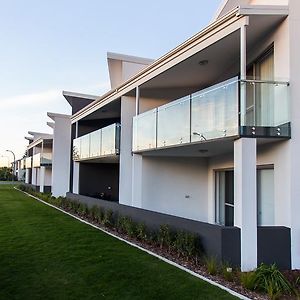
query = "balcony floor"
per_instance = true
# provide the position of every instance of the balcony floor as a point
(209, 148)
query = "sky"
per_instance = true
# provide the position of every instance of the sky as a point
(54, 45)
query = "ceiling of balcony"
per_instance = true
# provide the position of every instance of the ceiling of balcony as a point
(214, 64)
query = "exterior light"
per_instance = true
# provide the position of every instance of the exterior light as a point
(203, 62)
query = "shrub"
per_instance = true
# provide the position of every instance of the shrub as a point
(141, 232)
(99, 215)
(227, 271)
(211, 265)
(164, 237)
(191, 243)
(82, 209)
(126, 225)
(107, 219)
(271, 281)
(93, 212)
(248, 280)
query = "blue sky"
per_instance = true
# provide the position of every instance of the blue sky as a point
(50, 46)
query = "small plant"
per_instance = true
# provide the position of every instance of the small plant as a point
(93, 212)
(271, 281)
(141, 232)
(107, 219)
(190, 248)
(211, 265)
(164, 237)
(297, 281)
(227, 271)
(99, 215)
(129, 227)
(248, 280)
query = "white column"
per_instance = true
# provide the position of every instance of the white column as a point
(76, 177)
(125, 185)
(245, 211)
(27, 176)
(61, 155)
(34, 177)
(42, 179)
(137, 166)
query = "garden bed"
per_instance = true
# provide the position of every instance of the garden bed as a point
(184, 248)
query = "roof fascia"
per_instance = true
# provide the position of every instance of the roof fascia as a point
(145, 74)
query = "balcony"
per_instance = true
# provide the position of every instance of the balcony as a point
(248, 108)
(101, 143)
(28, 162)
(41, 159)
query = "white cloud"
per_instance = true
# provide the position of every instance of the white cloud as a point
(22, 113)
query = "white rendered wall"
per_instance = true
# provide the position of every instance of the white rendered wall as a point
(61, 156)
(34, 177)
(27, 175)
(176, 186)
(294, 162)
(48, 176)
(127, 113)
(42, 179)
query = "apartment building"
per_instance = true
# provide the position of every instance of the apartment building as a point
(38, 163)
(205, 138)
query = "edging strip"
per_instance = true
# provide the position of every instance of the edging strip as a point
(236, 294)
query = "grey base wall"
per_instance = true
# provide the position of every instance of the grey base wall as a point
(219, 241)
(47, 188)
(273, 242)
(274, 246)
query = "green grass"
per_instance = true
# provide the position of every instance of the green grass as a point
(45, 254)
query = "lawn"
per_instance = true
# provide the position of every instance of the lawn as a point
(45, 254)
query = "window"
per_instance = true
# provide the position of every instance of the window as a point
(224, 191)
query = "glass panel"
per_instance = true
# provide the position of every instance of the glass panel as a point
(76, 149)
(265, 197)
(28, 162)
(267, 103)
(95, 143)
(144, 129)
(85, 146)
(215, 111)
(36, 160)
(229, 215)
(173, 123)
(224, 198)
(108, 140)
(46, 159)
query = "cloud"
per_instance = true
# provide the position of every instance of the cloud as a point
(29, 99)
(28, 112)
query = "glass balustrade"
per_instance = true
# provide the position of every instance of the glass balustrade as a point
(264, 104)
(46, 159)
(95, 143)
(173, 123)
(144, 127)
(100, 143)
(41, 159)
(231, 108)
(215, 112)
(28, 162)
(110, 140)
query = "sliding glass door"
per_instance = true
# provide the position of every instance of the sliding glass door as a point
(224, 193)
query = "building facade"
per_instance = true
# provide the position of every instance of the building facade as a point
(207, 137)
